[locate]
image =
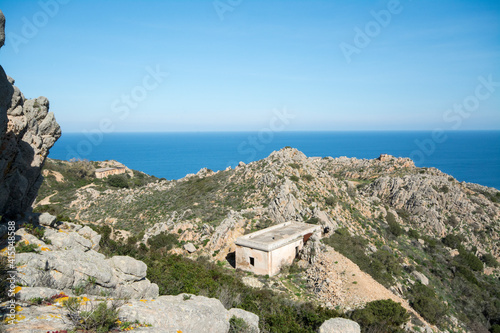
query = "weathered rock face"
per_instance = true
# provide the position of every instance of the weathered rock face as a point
(339, 325)
(2, 28)
(70, 261)
(27, 132)
(185, 313)
(181, 313)
(312, 249)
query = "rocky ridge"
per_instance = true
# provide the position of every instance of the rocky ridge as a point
(359, 192)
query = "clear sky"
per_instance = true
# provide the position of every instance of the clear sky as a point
(233, 64)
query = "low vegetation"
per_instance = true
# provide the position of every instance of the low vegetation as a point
(384, 316)
(176, 274)
(382, 265)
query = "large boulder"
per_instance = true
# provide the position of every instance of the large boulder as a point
(311, 249)
(27, 132)
(90, 272)
(339, 325)
(185, 313)
(47, 220)
(250, 318)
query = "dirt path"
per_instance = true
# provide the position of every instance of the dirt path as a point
(59, 177)
(340, 282)
(45, 201)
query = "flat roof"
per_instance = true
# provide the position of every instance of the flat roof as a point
(108, 169)
(277, 236)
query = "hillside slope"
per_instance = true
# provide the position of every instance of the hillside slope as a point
(396, 221)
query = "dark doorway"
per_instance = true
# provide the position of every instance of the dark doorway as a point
(231, 259)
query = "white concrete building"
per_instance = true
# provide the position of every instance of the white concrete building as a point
(265, 251)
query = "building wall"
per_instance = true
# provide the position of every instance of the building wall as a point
(104, 174)
(267, 263)
(284, 256)
(261, 260)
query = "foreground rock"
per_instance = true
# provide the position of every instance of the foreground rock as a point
(339, 325)
(186, 313)
(27, 131)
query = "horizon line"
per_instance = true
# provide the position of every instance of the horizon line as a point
(291, 131)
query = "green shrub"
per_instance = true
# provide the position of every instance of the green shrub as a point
(308, 177)
(91, 317)
(163, 240)
(313, 220)
(495, 328)
(120, 181)
(394, 227)
(331, 201)
(453, 241)
(238, 325)
(470, 260)
(38, 232)
(381, 316)
(412, 233)
(453, 221)
(294, 178)
(426, 303)
(489, 260)
(382, 265)
(294, 165)
(82, 169)
(23, 247)
(467, 274)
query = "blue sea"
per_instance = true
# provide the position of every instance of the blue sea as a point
(471, 156)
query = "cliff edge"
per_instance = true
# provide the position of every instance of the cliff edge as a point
(27, 131)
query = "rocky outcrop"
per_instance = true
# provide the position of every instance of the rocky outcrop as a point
(339, 325)
(285, 206)
(251, 319)
(311, 249)
(226, 233)
(185, 313)
(181, 313)
(27, 132)
(69, 262)
(2, 29)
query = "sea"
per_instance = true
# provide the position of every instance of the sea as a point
(471, 156)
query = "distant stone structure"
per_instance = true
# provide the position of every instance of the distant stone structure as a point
(105, 172)
(385, 157)
(264, 252)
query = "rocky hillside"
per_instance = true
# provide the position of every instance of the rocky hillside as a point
(399, 223)
(334, 192)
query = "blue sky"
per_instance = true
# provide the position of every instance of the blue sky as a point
(232, 64)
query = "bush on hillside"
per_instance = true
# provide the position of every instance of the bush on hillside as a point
(382, 265)
(381, 316)
(82, 169)
(425, 301)
(394, 227)
(120, 181)
(163, 240)
(489, 260)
